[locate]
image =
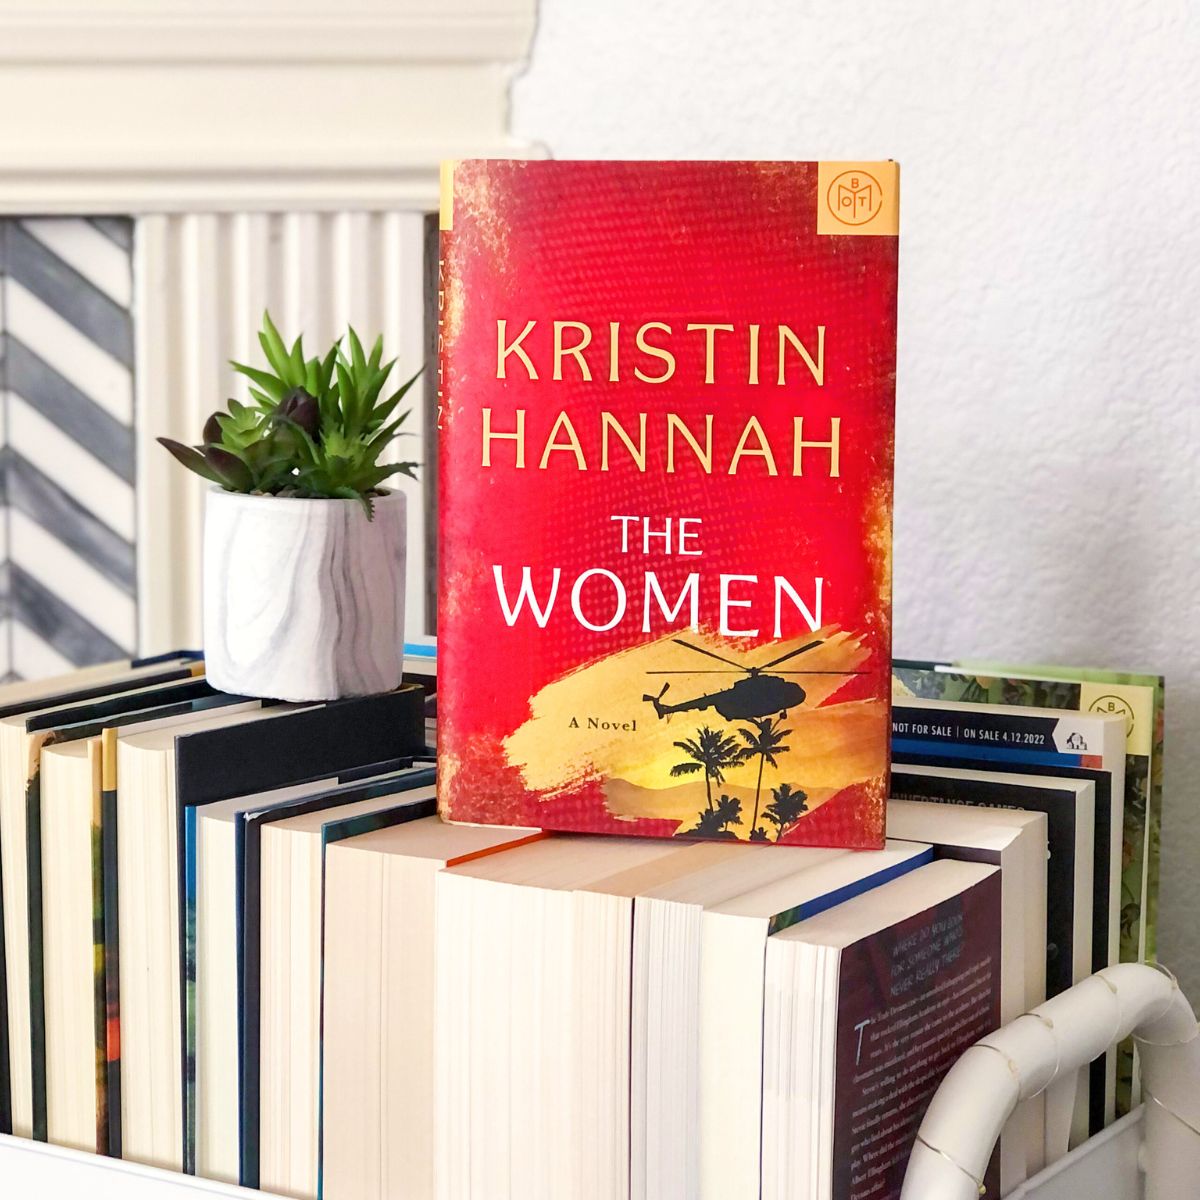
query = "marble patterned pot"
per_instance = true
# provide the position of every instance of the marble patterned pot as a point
(303, 599)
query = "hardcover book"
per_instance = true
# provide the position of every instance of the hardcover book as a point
(666, 396)
(1050, 744)
(160, 776)
(26, 725)
(1136, 697)
(1139, 698)
(278, 1117)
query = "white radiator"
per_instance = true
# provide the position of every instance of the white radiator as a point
(201, 284)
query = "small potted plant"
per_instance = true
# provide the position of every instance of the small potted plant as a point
(303, 546)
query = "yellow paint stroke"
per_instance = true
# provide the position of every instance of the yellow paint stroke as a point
(594, 724)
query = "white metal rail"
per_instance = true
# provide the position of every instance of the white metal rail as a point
(1053, 1042)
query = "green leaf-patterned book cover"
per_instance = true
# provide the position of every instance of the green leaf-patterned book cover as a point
(1139, 697)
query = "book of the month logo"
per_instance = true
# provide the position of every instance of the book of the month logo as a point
(854, 197)
(1113, 706)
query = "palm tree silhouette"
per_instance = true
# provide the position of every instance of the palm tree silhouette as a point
(713, 753)
(715, 822)
(766, 740)
(786, 808)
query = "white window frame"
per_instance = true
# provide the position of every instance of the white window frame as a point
(181, 110)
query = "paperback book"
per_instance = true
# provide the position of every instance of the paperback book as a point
(1049, 744)
(278, 856)
(1069, 807)
(378, 1092)
(1138, 699)
(67, 802)
(714, 344)
(26, 725)
(1016, 842)
(27, 696)
(870, 1004)
(161, 775)
(737, 1058)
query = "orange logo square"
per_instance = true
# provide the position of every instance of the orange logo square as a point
(858, 199)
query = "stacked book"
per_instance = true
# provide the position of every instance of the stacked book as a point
(240, 942)
(709, 893)
(103, 775)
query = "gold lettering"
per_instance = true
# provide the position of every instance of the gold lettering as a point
(762, 450)
(637, 453)
(503, 350)
(571, 445)
(710, 338)
(833, 446)
(816, 367)
(753, 378)
(614, 328)
(704, 456)
(489, 436)
(575, 351)
(655, 352)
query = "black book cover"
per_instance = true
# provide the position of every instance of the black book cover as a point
(1060, 819)
(172, 700)
(248, 839)
(1100, 883)
(965, 744)
(320, 742)
(96, 691)
(82, 719)
(5, 1069)
(172, 669)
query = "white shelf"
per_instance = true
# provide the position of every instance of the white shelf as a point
(1105, 1167)
(31, 1169)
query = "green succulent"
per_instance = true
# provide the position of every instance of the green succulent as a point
(316, 429)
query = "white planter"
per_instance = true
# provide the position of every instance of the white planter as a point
(303, 599)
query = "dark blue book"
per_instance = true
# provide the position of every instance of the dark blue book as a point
(161, 776)
(374, 796)
(213, 1018)
(1053, 745)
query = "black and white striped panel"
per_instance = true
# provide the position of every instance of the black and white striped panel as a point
(66, 386)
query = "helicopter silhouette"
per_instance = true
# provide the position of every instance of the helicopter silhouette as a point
(758, 695)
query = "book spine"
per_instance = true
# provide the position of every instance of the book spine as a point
(112, 934)
(99, 980)
(37, 988)
(249, 882)
(443, 410)
(5, 1059)
(189, 992)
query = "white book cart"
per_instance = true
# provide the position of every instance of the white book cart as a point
(1152, 1154)
(1106, 1168)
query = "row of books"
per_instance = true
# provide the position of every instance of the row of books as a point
(240, 942)
(780, 1034)
(102, 774)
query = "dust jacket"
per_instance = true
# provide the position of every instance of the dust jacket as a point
(666, 407)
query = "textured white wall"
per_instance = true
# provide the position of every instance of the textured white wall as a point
(1048, 439)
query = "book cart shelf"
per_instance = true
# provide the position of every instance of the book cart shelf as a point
(1106, 1166)
(1151, 1154)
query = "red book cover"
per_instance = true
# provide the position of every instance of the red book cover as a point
(666, 407)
